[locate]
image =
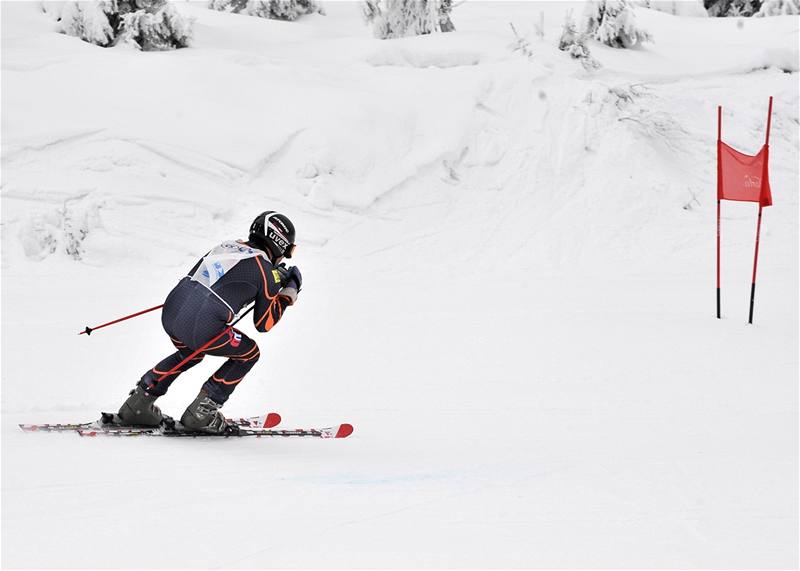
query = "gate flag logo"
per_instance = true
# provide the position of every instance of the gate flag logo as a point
(743, 177)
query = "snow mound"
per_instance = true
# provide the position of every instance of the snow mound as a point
(784, 59)
(422, 56)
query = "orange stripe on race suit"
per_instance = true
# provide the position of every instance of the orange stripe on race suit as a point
(268, 313)
(218, 346)
(272, 299)
(157, 372)
(224, 382)
(271, 320)
(242, 356)
(246, 359)
(264, 277)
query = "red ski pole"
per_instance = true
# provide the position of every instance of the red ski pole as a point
(89, 330)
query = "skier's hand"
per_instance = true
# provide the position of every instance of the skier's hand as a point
(284, 274)
(295, 279)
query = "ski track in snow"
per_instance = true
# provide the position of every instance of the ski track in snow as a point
(50, 144)
(509, 275)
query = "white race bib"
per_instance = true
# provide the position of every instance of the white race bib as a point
(221, 259)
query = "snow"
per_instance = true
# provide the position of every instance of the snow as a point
(509, 291)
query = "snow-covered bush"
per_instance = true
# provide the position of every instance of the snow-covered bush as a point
(690, 8)
(88, 21)
(613, 22)
(234, 6)
(164, 30)
(445, 23)
(732, 8)
(145, 24)
(520, 44)
(779, 8)
(398, 18)
(574, 43)
(569, 32)
(283, 9)
(63, 229)
(288, 10)
(539, 26)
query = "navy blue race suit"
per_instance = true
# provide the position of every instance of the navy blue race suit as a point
(200, 307)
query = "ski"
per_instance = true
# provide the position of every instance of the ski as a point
(339, 431)
(58, 427)
(110, 422)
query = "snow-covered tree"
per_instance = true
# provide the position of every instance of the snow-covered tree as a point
(146, 24)
(613, 22)
(574, 43)
(398, 18)
(732, 8)
(288, 10)
(779, 8)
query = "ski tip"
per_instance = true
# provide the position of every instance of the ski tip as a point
(87, 433)
(344, 431)
(271, 420)
(28, 427)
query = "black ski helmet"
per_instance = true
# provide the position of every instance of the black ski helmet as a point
(273, 232)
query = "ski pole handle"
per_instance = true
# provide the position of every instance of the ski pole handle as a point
(89, 330)
(238, 319)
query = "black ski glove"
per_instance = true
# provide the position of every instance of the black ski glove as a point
(290, 277)
(295, 278)
(284, 274)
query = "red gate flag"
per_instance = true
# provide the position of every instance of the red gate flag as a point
(743, 177)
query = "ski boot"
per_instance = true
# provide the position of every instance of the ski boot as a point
(203, 415)
(139, 409)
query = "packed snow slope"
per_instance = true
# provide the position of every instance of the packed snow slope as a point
(509, 291)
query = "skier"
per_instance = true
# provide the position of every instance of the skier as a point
(201, 307)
